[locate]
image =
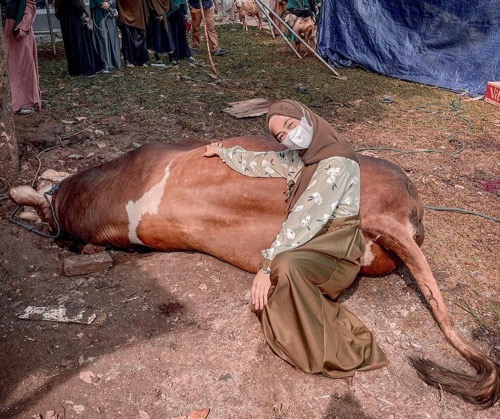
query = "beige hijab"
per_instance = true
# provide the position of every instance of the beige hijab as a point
(326, 143)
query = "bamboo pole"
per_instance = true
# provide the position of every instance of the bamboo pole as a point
(337, 75)
(271, 22)
(268, 19)
(50, 27)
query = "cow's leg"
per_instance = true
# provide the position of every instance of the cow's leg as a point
(26, 195)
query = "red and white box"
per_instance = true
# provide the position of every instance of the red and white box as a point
(492, 94)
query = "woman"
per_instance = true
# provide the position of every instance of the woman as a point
(177, 23)
(316, 254)
(20, 46)
(105, 33)
(158, 33)
(76, 28)
(132, 18)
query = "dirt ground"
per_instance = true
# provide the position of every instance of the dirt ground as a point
(173, 331)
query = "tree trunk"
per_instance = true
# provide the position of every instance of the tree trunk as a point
(9, 157)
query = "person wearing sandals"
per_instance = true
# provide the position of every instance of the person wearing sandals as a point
(105, 33)
(158, 33)
(316, 254)
(132, 18)
(20, 46)
(210, 9)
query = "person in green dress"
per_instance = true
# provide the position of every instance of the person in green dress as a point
(316, 254)
(301, 8)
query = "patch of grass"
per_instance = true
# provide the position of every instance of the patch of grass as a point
(257, 66)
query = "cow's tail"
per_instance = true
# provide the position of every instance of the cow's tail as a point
(483, 388)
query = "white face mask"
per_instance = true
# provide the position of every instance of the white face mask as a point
(300, 137)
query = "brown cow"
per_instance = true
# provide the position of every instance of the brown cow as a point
(169, 197)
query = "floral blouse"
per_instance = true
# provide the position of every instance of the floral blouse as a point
(334, 191)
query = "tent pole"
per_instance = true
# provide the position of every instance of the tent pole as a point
(271, 24)
(50, 27)
(267, 17)
(337, 75)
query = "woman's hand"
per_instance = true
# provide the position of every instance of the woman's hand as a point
(260, 289)
(19, 33)
(213, 149)
(105, 5)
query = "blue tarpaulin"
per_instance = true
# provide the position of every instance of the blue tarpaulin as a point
(453, 44)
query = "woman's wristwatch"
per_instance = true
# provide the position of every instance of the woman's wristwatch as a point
(266, 270)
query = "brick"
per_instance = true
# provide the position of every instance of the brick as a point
(86, 264)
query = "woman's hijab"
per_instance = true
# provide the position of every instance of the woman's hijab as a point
(326, 142)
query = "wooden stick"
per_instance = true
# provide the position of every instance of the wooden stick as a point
(212, 66)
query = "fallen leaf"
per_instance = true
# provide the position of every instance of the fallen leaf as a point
(75, 157)
(143, 414)
(355, 103)
(80, 118)
(68, 122)
(78, 408)
(199, 414)
(89, 377)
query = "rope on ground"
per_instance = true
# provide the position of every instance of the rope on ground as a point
(5, 187)
(35, 229)
(463, 211)
(418, 150)
(456, 108)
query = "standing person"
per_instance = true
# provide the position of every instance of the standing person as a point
(210, 9)
(177, 23)
(158, 33)
(316, 254)
(76, 28)
(132, 18)
(20, 46)
(302, 8)
(105, 34)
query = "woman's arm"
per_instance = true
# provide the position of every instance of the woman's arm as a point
(333, 192)
(256, 163)
(26, 22)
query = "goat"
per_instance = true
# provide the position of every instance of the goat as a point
(246, 8)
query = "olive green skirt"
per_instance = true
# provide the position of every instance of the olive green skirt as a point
(302, 322)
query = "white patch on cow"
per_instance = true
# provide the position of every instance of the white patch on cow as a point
(368, 257)
(148, 203)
